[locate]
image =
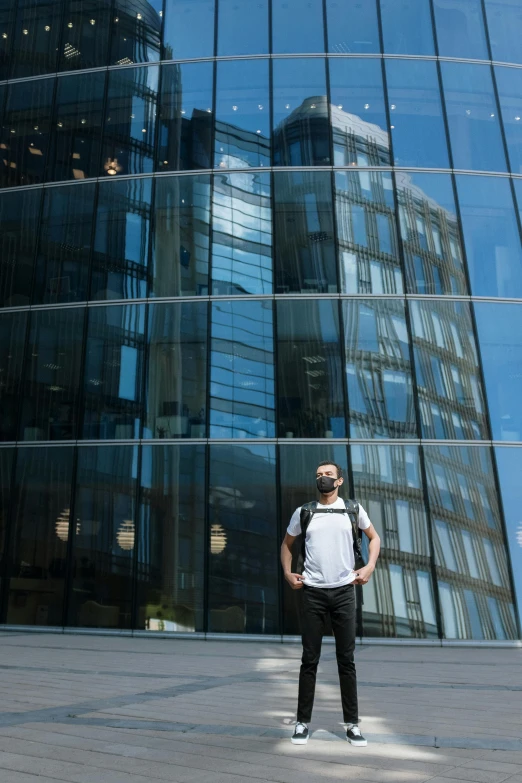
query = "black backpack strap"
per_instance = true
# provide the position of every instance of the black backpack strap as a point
(307, 512)
(352, 509)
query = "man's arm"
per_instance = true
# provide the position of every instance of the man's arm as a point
(294, 580)
(363, 574)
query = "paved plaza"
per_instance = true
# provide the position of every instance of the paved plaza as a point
(115, 709)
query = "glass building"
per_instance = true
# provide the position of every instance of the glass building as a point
(237, 239)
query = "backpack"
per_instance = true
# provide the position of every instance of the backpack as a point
(307, 512)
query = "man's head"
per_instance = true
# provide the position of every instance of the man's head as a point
(329, 477)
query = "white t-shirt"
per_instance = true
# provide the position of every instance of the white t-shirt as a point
(329, 558)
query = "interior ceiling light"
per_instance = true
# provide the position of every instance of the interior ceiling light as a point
(218, 539)
(47, 28)
(92, 21)
(125, 535)
(112, 166)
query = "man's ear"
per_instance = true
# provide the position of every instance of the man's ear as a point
(341, 480)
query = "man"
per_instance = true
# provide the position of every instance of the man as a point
(328, 588)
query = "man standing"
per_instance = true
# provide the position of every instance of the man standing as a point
(328, 588)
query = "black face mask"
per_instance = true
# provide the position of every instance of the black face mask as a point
(325, 484)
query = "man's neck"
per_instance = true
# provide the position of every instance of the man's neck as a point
(327, 500)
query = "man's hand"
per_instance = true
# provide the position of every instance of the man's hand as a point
(362, 575)
(294, 580)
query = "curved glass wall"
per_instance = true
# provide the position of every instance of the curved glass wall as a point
(248, 239)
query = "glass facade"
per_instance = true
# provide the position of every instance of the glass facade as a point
(237, 240)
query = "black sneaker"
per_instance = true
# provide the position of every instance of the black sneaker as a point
(354, 737)
(300, 735)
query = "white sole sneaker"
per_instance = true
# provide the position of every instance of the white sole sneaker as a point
(299, 740)
(362, 743)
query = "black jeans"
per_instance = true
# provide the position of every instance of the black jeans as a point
(339, 603)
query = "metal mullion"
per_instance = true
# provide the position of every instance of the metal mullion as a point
(5, 578)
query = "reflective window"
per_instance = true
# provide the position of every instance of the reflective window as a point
(368, 247)
(505, 28)
(460, 29)
(52, 375)
(171, 543)
(185, 117)
(12, 343)
(242, 590)
(121, 240)
(491, 236)
(36, 38)
(176, 371)
(242, 370)
(406, 26)
(431, 238)
(448, 379)
(463, 503)
(500, 335)
(136, 32)
(241, 234)
(19, 213)
(242, 133)
(473, 117)
(418, 133)
(6, 465)
(310, 388)
(113, 372)
(359, 127)
(75, 150)
(7, 20)
(104, 537)
(242, 27)
(25, 132)
(181, 236)
(509, 83)
(40, 518)
(509, 465)
(304, 240)
(85, 34)
(62, 259)
(352, 26)
(300, 113)
(378, 371)
(130, 121)
(297, 26)
(189, 29)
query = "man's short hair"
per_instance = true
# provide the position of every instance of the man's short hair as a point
(336, 466)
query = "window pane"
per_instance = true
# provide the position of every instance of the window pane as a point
(242, 27)
(12, 343)
(505, 28)
(104, 537)
(6, 469)
(378, 371)
(418, 133)
(460, 29)
(242, 590)
(19, 213)
(509, 83)
(62, 260)
(77, 127)
(463, 497)
(448, 377)
(242, 370)
(7, 20)
(171, 544)
(41, 508)
(297, 26)
(304, 240)
(473, 118)
(121, 240)
(25, 132)
(189, 29)
(176, 371)
(359, 127)
(113, 372)
(242, 114)
(300, 113)
(500, 335)
(36, 38)
(352, 26)
(368, 248)
(241, 234)
(181, 236)
(406, 26)
(52, 375)
(185, 117)
(136, 32)
(85, 33)
(431, 239)
(509, 465)
(491, 236)
(130, 120)
(311, 397)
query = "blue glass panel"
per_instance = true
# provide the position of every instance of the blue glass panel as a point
(509, 464)
(505, 30)
(12, 342)
(242, 370)
(460, 29)
(491, 236)
(473, 117)
(19, 213)
(406, 27)
(86, 29)
(509, 83)
(352, 26)
(136, 32)
(36, 38)
(189, 29)
(7, 19)
(297, 26)
(419, 137)
(359, 126)
(242, 27)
